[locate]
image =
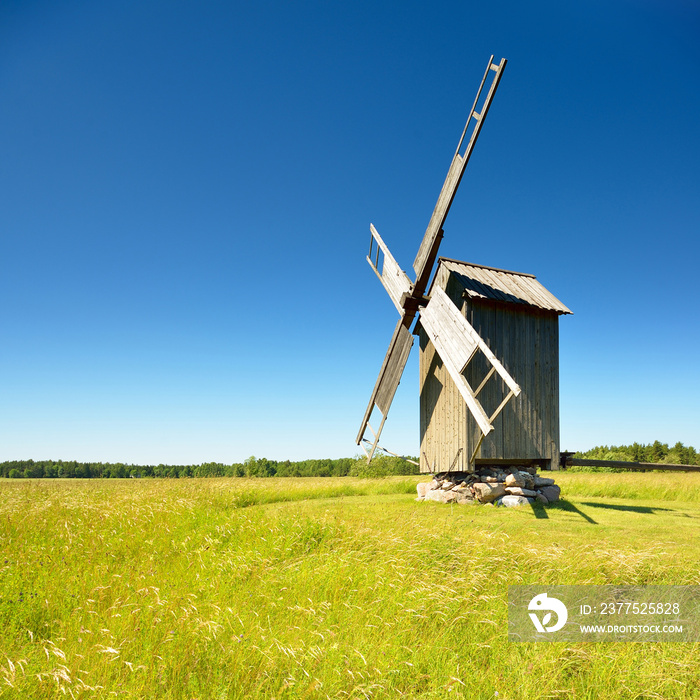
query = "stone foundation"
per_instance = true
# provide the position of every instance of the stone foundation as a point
(507, 486)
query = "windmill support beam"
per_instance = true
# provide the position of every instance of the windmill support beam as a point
(422, 280)
(472, 459)
(411, 303)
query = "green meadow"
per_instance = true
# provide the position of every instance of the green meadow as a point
(326, 588)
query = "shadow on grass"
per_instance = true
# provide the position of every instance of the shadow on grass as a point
(571, 508)
(540, 512)
(633, 509)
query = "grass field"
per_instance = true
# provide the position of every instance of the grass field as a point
(315, 588)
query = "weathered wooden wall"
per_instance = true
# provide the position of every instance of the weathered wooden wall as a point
(526, 340)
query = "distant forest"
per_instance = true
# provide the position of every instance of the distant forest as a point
(346, 466)
(252, 467)
(658, 452)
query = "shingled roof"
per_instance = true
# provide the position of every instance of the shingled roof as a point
(481, 282)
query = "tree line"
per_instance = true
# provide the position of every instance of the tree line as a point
(657, 452)
(251, 467)
(346, 466)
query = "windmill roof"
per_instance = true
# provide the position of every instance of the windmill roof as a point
(481, 282)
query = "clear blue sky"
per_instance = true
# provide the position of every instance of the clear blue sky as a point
(186, 190)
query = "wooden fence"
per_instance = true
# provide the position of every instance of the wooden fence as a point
(629, 466)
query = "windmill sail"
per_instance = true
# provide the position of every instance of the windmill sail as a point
(394, 279)
(387, 382)
(457, 345)
(456, 342)
(428, 247)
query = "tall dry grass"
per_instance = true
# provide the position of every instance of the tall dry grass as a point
(320, 588)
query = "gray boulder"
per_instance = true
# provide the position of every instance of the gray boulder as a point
(541, 481)
(523, 480)
(441, 496)
(515, 480)
(423, 487)
(517, 491)
(486, 493)
(551, 493)
(464, 499)
(514, 501)
(528, 479)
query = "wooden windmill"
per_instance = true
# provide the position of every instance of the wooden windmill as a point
(459, 365)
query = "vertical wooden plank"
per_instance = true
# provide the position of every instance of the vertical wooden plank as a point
(435, 417)
(440, 413)
(545, 384)
(540, 404)
(422, 393)
(462, 436)
(494, 385)
(548, 386)
(536, 421)
(554, 370)
(449, 444)
(508, 422)
(475, 365)
(517, 364)
(503, 321)
(446, 419)
(520, 351)
(448, 448)
(554, 392)
(528, 370)
(506, 427)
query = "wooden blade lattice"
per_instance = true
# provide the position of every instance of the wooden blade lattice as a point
(427, 251)
(387, 382)
(456, 342)
(394, 279)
